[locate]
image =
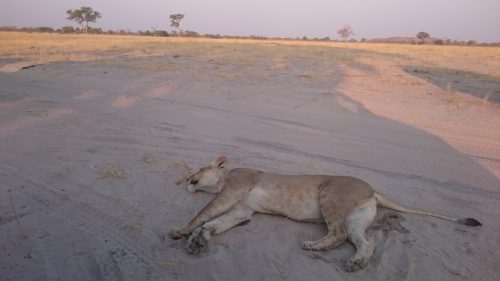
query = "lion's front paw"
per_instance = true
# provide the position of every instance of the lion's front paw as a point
(356, 263)
(176, 234)
(198, 241)
(307, 245)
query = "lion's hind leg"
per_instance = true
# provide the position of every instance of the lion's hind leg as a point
(356, 224)
(336, 235)
(334, 209)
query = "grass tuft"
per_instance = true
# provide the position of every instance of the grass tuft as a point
(112, 170)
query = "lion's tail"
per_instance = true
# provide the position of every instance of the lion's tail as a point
(384, 202)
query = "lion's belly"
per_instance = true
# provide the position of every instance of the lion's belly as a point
(302, 205)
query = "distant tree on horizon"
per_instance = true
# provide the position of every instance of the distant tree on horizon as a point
(422, 36)
(175, 20)
(345, 32)
(83, 15)
(155, 29)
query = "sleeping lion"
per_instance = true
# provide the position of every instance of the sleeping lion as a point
(347, 205)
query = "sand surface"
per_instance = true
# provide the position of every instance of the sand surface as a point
(90, 153)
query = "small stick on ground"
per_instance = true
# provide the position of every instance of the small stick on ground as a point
(171, 263)
(20, 228)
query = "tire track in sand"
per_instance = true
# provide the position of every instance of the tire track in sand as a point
(138, 260)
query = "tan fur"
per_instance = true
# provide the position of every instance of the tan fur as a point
(347, 205)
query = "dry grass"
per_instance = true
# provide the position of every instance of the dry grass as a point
(486, 98)
(55, 47)
(112, 170)
(135, 223)
(247, 59)
(78, 47)
(484, 60)
(453, 96)
(147, 159)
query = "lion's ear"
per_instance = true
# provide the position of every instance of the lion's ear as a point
(220, 162)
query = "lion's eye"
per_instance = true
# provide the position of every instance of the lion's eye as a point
(194, 182)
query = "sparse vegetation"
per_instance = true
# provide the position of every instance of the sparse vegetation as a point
(112, 170)
(486, 98)
(453, 95)
(56, 47)
(188, 33)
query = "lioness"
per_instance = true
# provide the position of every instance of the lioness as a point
(347, 205)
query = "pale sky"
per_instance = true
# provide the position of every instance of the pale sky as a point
(477, 20)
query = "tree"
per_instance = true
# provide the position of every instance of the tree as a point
(422, 36)
(83, 15)
(345, 32)
(175, 20)
(155, 29)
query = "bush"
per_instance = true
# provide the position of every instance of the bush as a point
(144, 33)
(258, 37)
(45, 29)
(217, 36)
(8, 28)
(95, 30)
(162, 33)
(67, 29)
(189, 33)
